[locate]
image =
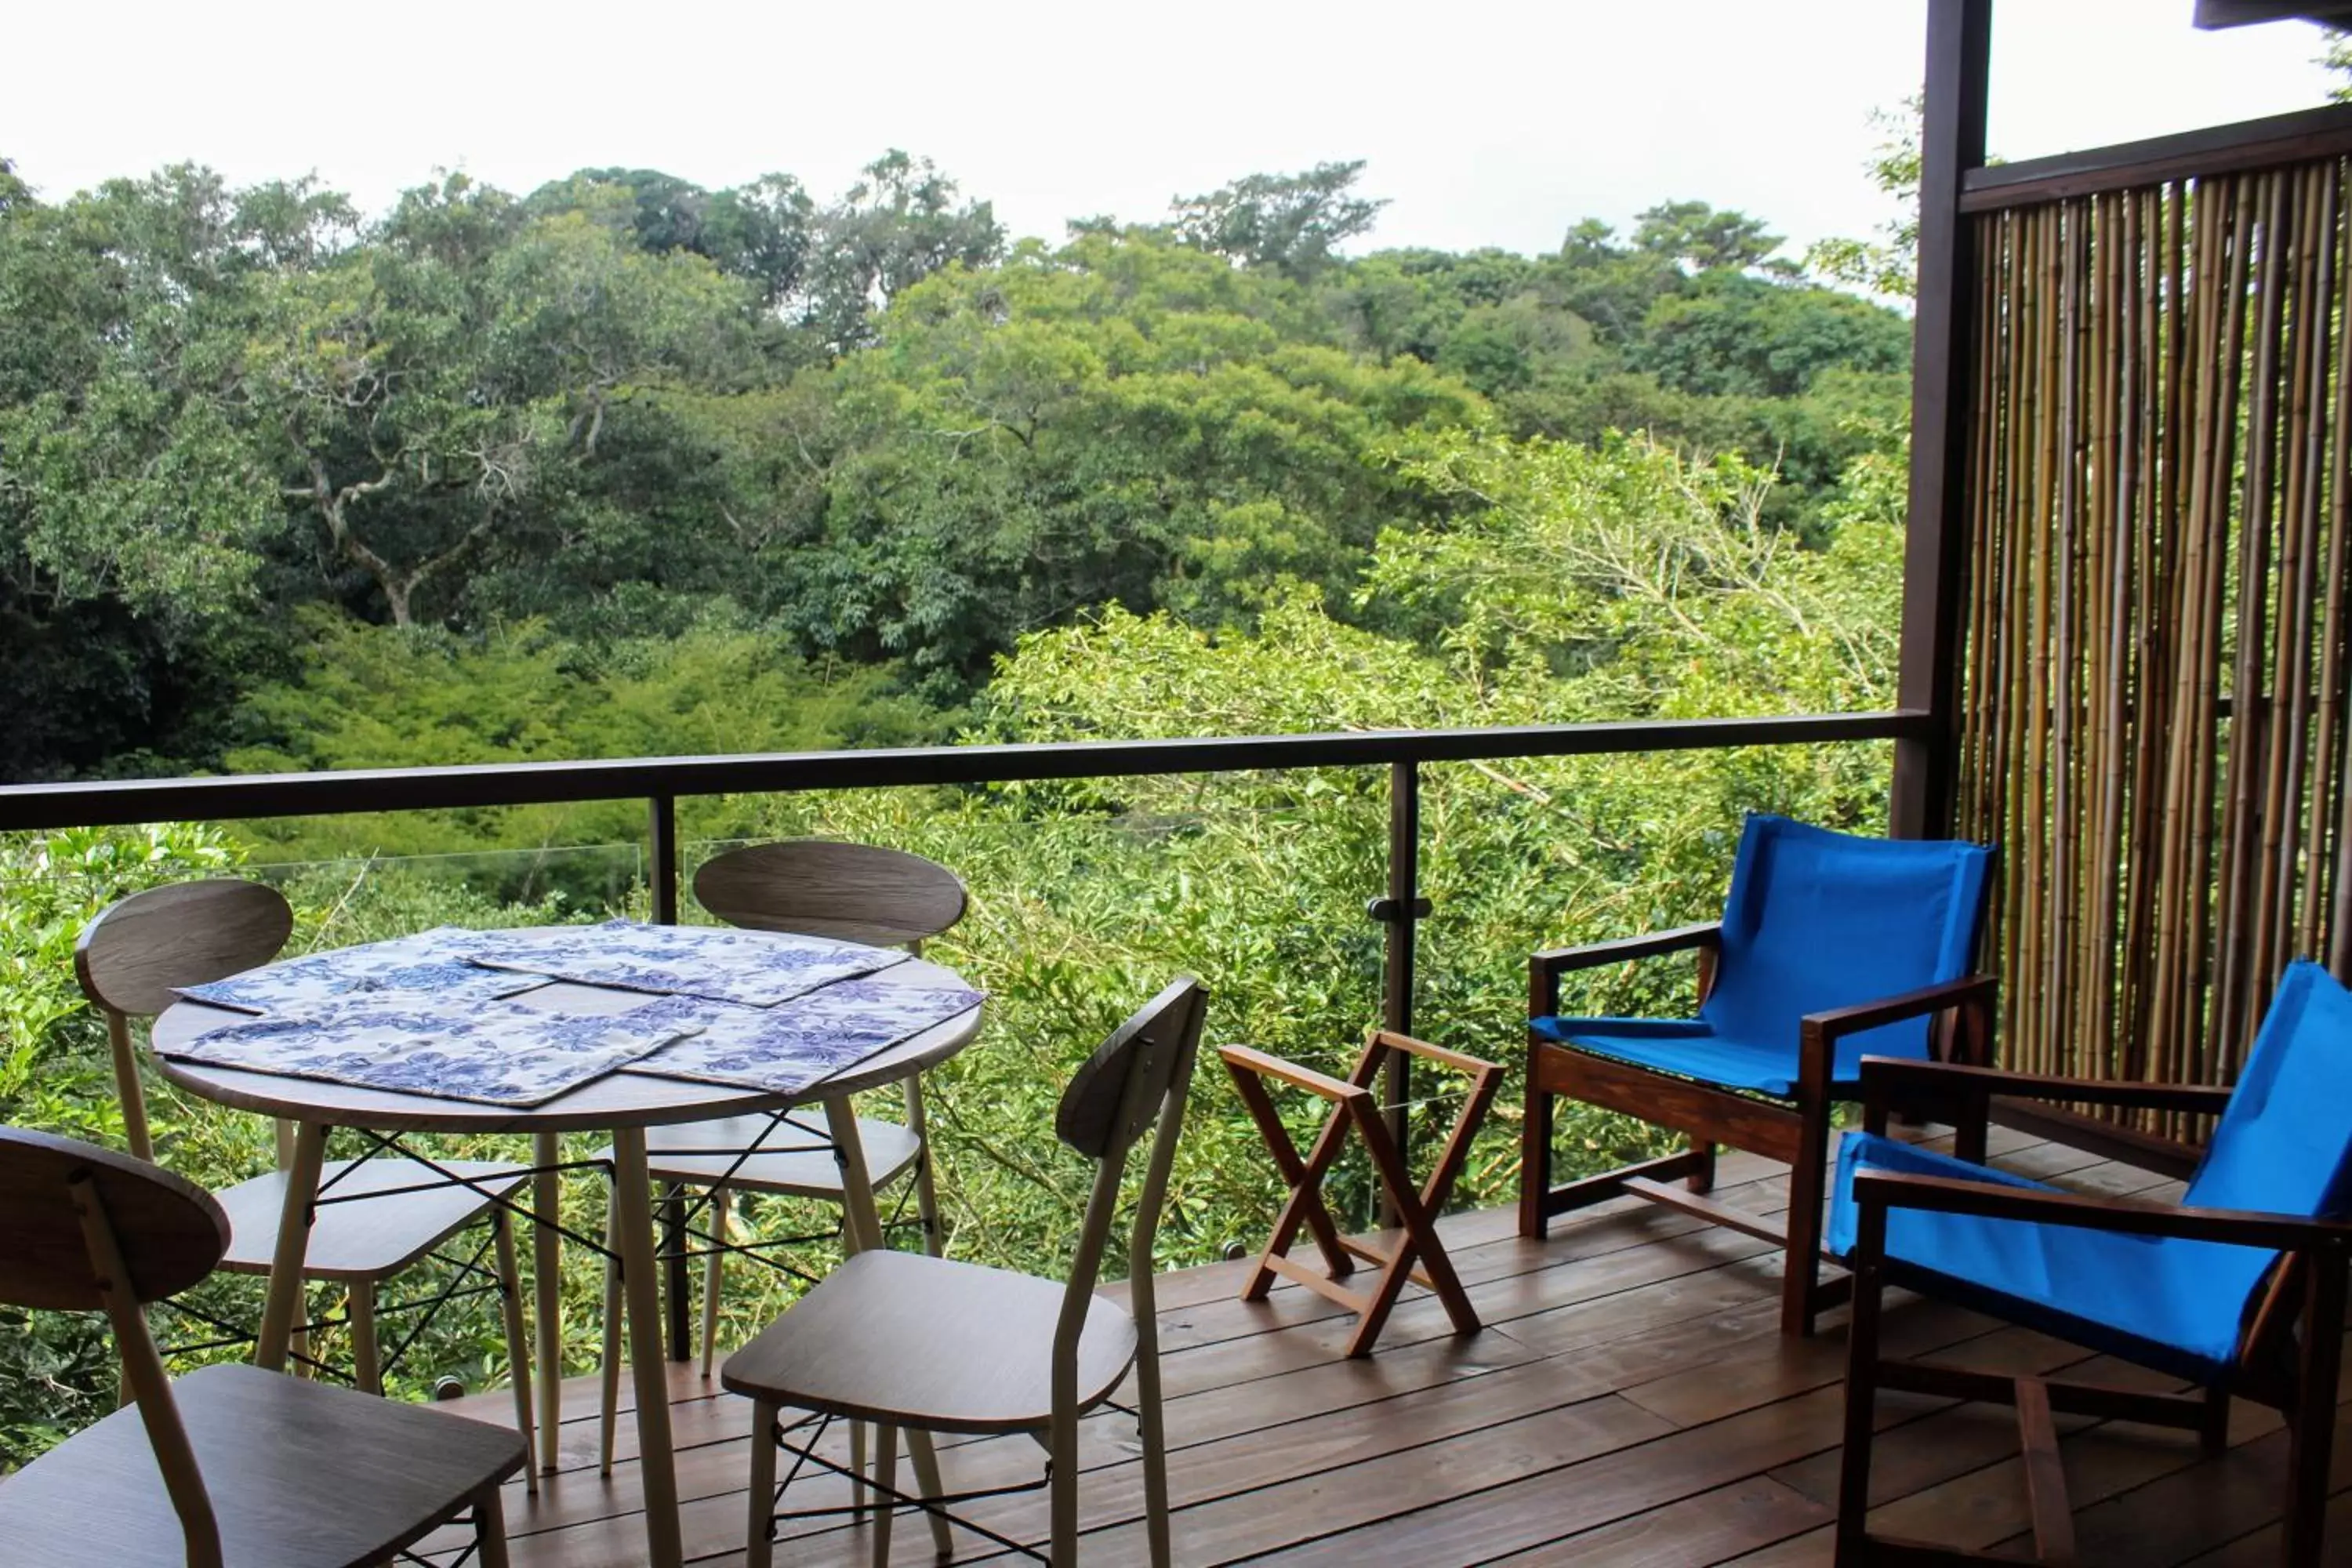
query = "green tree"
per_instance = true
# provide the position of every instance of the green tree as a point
(1702, 239)
(1126, 419)
(899, 224)
(1887, 264)
(1291, 224)
(418, 393)
(136, 514)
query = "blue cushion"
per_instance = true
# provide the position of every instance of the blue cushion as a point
(1815, 921)
(2164, 1302)
(1690, 1049)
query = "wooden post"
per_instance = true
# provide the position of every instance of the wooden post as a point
(1934, 559)
(1404, 909)
(662, 834)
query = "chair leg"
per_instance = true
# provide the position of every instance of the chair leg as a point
(2213, 1431)
(925, 1458)
(927, 1192)
(859, 1501)
(2311, 1424)
(518, 1347)
(1535, 1155)
(367, 1360)
(714, 1276)
(885, 1481)
(1702, 1179)
(1807, 1188)
(610, 1372)
(1861, 1395)
(1152, 1428)
(489, 1528)
(1064, 1506)
(759, 1547)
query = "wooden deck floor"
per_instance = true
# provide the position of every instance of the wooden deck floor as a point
(1629, 1403)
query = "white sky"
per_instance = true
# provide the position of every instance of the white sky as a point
(1487, 122)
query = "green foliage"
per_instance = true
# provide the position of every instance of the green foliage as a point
(1888, 264)
(383, 697)
(56, 1369)
(1291, 224)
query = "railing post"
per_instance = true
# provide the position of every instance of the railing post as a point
(662, 873)
(1400, 910)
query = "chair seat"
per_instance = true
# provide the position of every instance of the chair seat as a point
(911, 1339)
(2166, 1302)
(361, 1240)
(1694, 1048)
(301, 1475)
(801, 1167)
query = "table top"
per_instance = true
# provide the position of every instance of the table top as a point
(616, 1100)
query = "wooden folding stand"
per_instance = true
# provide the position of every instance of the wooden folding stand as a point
(1354, 1101)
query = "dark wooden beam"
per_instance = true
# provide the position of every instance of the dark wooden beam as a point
(2265, 144)
(1960, 39)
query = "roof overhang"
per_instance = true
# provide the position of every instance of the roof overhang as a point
(2239, 13)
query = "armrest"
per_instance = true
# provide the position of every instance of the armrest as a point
(1243, 1058)
(1881, 1073)
(1390, 1039)
(1561, 960)
(2128, 1216)
(1545, 967)
(1839, 1021)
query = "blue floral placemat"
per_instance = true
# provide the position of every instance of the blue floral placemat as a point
(786, 1048)
(756, 968)
(497, 1053)
(431, 962)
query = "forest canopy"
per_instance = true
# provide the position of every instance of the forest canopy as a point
(248, 433)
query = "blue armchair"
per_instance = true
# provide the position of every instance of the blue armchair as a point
(1831, 947)
(2209, 1291)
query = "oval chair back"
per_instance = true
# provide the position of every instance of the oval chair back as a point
(136, 952)
(85, 1228)
(817, 887)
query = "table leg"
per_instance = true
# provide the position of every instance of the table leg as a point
(547, 1271)
(283, 1309)
(656, 1465)
(863, 1221)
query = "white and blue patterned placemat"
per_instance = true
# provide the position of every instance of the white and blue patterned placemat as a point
(432, 962)
(497, 1053)
(786, 1048)
(756, 968)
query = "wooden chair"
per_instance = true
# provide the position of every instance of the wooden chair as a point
(130, 959)
(906, 1339)
(1420, 1256)
(1830, 946)
(230, 1466)
(810, 887)
(2208, 1290)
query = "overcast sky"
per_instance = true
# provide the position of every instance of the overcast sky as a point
(1484, 122)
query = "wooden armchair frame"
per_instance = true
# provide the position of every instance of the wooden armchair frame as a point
(2291, 1371)
(1420, 1255)
(1796, 1131)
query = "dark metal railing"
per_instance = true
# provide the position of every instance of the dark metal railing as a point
(661, 781)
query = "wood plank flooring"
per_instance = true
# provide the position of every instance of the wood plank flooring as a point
(1630, 1402)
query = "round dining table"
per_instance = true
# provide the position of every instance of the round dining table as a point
(621, 1105)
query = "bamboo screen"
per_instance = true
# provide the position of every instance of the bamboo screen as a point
(2153, 724)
